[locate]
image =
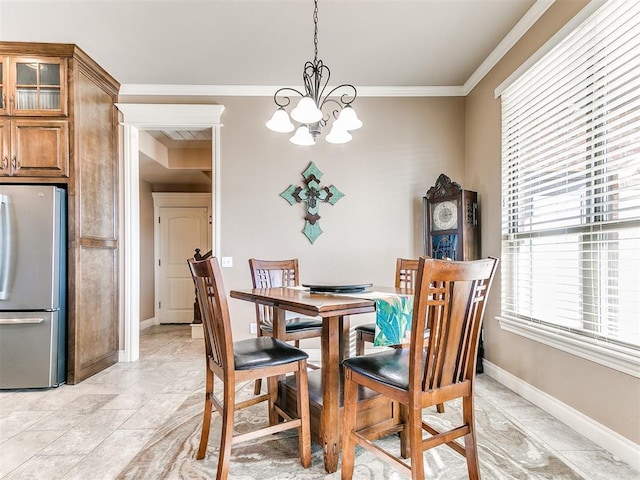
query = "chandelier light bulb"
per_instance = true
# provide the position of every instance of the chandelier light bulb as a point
(307, 111)
(338, 135)
(280, 122)
(348, 119)
(303, 137)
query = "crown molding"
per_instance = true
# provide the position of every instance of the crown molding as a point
(150, 116)
(268, 91)
(516, 33)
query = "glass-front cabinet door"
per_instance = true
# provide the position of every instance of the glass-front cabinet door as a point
(37, 86)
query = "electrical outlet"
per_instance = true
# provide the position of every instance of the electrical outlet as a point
(227, 262)
(254, 328)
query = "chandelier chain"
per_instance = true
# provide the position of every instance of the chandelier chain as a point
(315, 32)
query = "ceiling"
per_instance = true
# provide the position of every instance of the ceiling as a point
(391, 44)
(266, 42)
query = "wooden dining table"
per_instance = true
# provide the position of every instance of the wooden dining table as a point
(325, 385)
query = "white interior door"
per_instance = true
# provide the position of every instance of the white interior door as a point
(182, 230)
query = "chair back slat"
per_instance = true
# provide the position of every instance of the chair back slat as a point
(450, 299)
(406, 272)
(214, 308)
(271, 274)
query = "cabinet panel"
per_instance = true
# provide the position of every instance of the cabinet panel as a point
(40, 148)
(4, 75)
(96, 171)
(93, 326)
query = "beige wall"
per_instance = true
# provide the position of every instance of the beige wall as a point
(608, 396)
(384, 172)
(147, 288)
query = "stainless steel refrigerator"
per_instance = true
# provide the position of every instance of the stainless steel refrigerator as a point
(32, 286)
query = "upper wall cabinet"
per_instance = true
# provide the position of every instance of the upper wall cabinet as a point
(34, 86)
(34, 92)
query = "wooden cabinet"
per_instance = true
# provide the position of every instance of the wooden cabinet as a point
(58, 125)
(35, 148)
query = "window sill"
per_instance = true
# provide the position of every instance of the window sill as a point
(613, 356)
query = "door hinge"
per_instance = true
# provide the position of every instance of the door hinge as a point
(158, 219)
(159, 305)
(159, 262)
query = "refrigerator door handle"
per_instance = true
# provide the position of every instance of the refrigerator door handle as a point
(5, 246)
(18, 321)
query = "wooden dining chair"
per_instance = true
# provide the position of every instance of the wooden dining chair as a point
(280, 273)
(405, 278)
(242, 361)
(451, 298)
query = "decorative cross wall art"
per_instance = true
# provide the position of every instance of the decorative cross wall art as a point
(312, 194)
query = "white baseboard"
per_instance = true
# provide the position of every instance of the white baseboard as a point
(196, 330)
(619, 446)
(149, 322)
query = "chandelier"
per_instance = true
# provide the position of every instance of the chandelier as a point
(309, 111)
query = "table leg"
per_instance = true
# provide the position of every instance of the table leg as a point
(332, 351)
(279, 331)
(345, 347)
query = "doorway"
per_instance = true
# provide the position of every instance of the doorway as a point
(138, 117)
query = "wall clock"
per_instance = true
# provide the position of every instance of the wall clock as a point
(451, 221)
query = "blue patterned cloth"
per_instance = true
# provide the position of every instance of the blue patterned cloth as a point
(394, 313)
(393, 320)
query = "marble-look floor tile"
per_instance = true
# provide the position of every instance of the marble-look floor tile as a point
(498, 394)
(50, 467)
(55, 421)
(549, 429)
(107, 460)
(21, 447)
(85, 436)
(13, 423)
(155, 412)
(599, 465)
(128, 401)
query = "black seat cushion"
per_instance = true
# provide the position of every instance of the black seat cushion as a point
(390, 367)
(367, 328)
(264, 352)
(297, 324)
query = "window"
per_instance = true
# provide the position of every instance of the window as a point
(571, 193)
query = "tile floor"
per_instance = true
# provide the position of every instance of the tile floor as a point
(92, 430)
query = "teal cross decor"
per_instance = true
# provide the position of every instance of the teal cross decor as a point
(312, 194)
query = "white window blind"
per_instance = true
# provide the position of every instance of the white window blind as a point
(571, 186)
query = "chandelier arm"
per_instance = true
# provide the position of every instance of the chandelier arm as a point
(344, 96)
(334, 112)
(322, 80)
(288, 100)
(315, 76)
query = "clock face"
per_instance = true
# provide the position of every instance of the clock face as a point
(445, 216)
